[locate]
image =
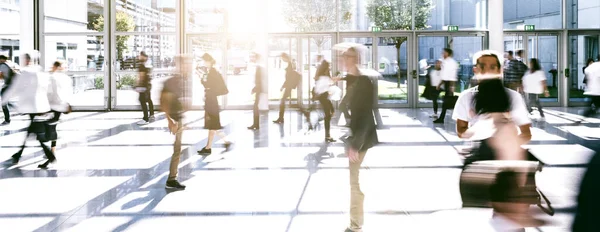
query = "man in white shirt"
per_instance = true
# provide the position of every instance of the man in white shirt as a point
(449, 74)
(488, 65)
(592, 74)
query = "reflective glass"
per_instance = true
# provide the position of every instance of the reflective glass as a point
(159, 48)
(146, 15)
(439, 14)
(388, 14)
(205, 16)
(88, 89)
(74, 16)
(583, 14)
(301, 16)
(10, 12)
(9, 46)
(583, 48)
(543, 14)
(78, 52)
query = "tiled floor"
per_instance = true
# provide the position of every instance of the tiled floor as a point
(110, 176)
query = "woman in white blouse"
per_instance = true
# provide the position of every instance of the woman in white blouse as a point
(534, 84)
(59, 94)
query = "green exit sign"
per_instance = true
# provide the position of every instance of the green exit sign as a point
(530, 27)
(452, 28)
(375, 29)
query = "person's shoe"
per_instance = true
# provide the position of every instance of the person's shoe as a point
(174, 184)
(5, 123)
(205, 151)
(151, 118)
(278, 121)
(330, 140)
(16, 157)
(253, 127)
(143, 122)
(228, 146)
(45, 164)
(433, 116)
(439, 121)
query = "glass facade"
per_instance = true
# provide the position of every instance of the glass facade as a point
(99, 41)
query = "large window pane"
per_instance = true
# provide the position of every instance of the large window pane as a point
(544, 14)
(583, 14)
(88, 89)
(438, 14)
(159, 48)
(10, 12)
(393, 87)
(78, 52)
(388, 14)
(205, 16)
(74, 16)
(146, 15)
(246, 16)
(583, 47)
(9, 46)
(276, 67)
(127, 96)
(301, 16)
(240, 74)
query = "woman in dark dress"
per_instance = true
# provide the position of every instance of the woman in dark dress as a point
(214, 86)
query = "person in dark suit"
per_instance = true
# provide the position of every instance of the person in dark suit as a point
(363, 133)
(289, 84)
(257, 90)
(586, 216)
(214, 86)
(321, 93)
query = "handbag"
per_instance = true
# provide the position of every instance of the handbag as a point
(335, 93)
(43, 130)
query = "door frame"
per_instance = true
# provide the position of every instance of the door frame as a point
(561, 84)
(410, 82)
(575, 32)
(450, 35)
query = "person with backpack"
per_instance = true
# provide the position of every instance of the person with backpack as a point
(171, 103)
(292, 79)
(214, 86)
(6, 73)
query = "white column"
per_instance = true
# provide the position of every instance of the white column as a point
(496, 25)
(26, 31)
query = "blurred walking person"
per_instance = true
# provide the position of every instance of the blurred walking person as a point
(449, 75)
(534, 84)
(6, 73)
(513, 73)
(363, 133)
(214, 86)
(59, 95)
(322, 84)
(31, 88)
(292, 79)
(592, 74)
(171, 101)
(258, 90)
(144, 87)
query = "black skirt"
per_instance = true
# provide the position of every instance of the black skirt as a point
(212, 119)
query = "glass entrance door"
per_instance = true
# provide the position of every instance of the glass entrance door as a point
(387, 54)
(583, 47)
(430, 48)
(545, 48)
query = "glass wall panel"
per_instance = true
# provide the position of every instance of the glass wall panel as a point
(161, 52)
(276, 67)
(546, 51)
(74, 16)
(583, 14)
(438, 14)
(393, 65)
(146, 15)
(88, 89)
(78, 52)
(361, 15)
(544, 14)
(301, 16)
(205, 16)
(582, 48)
(240, 73)
(159, 48)
(430, 50)
(9, 46)
(10, 11)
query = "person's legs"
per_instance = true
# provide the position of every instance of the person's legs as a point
(539, 105)
(328, 110)
(286, 94)
(143, 104)
(256, 115)
(529, 101)
(356, 195)
(5, 108)
(593, 106)
(18, 154)
(211, 137)
(435, 98)
(448, 93)
(175, 158)
(150, 103)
